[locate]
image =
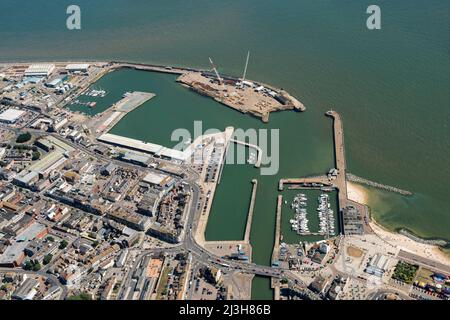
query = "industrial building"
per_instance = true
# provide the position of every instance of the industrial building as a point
(14, 255)
(74, 67)
(42, 168)
(156, 179)
(27, 290)
(54, 83)
(11, 115)
(148, 147)
(26, 178)
(139, 159)
(39, 70)
(378, 265)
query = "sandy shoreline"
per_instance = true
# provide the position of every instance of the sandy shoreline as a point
(359, 194)
(425, 250)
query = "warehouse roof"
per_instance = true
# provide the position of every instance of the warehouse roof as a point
(11, 115)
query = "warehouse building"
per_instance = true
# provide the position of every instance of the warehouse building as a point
(74, 67)
(39, 70)
(27, 291)
(11, 115)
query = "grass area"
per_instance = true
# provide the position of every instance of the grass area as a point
(354, 252)
(81, 296)
(162, 287)
(405, 272)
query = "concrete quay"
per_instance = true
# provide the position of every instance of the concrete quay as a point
(276, 246)
(248, 227)
(257, 148)
(339, 150)
(307, 182)
(110, 117)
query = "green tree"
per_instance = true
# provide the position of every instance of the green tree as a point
(47, 259)
(36, 155)
(24, 137)
(28, 265)
(63, 244)
(36, 266)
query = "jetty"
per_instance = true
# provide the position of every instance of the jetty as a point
(251, 208)
(315, 182)
(339, 152)
(257, 148)
(276, 246)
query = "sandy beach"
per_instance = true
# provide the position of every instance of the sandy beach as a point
(359, 194)
(421, 249)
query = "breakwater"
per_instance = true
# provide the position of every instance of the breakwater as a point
(353, 178)
(433, 242)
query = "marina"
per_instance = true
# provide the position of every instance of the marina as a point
(300, 221)
(322, 221)
(326, 217)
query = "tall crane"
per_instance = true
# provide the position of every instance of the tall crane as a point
(217, 74)
(246, 64)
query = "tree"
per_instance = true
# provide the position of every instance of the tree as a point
(28, 265)
(24, 137)
(32, 265)
(63, 244)
(47, 259)
(36, 266)
(36, 155)
(50, 238)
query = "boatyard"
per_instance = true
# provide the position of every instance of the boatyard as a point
(242, 95)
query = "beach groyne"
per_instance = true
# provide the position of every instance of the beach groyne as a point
(433, 242)
(356, 179)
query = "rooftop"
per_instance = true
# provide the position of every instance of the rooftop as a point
(11, 115)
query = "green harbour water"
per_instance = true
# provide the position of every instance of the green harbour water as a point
(391, 87)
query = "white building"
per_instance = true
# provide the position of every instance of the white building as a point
(39, 70)
(11, 115)
(77, 67)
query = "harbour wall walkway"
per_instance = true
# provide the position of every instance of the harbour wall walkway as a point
(276, 246)
(248, 227)
(340, 182)
(257, 148)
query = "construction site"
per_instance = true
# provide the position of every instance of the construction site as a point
(240, 94)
